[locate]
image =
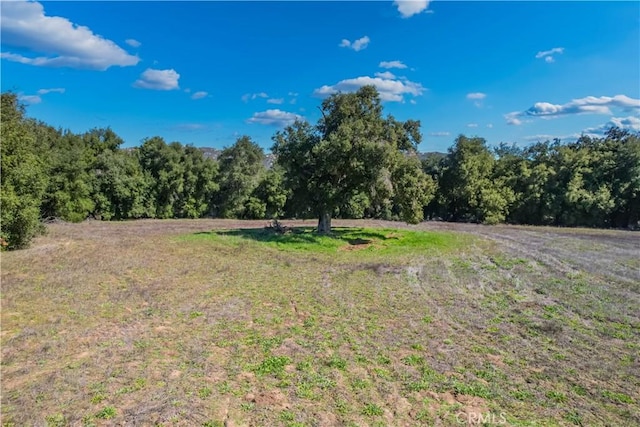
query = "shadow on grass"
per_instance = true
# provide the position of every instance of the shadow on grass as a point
(303, 235)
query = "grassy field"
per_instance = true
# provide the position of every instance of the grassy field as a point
(223, 323)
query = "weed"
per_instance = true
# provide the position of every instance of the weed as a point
(337, 362)
(287, 416)
(574, 417)
(413, 360)
(472, 389)
(106, 413)
(617, 397)
(273, 365)
(56, 420)
(372, 410)
(204, 392)
(247, 406)
(556, 396)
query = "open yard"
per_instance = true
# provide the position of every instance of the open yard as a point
(222, 323)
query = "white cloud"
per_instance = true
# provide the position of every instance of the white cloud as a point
(357, 45)
(37, 99)
(158, 79)
(512, 119)
(476, 95)
(392, 64)
(408, 8)
(413, 101)
(251, 96)
(30, 99)
(293, 94)
(586, 105)
(46, 91)
(390, 90)
(58, 41)
(277, 101)
(274, 118)
(548, 54)
(439, 134)
(489, 125)
(386, 75)
(199, 95)
(133, 42)
(631, 123)
(472, 125)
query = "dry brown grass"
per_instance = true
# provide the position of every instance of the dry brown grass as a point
(540, 325)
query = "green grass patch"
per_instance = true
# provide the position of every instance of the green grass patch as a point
(367, 240)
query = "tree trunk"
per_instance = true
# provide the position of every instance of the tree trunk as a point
(324, 223)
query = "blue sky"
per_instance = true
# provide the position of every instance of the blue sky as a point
(206, 72)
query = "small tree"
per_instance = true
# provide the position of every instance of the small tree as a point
(347, 154)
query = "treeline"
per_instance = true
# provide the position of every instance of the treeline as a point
(593, 182)
(51, 173)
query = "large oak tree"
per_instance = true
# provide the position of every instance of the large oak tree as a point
(351, 151)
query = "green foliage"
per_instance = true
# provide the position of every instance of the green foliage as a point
(351, 153)
(181, 183)
(271, 194)
(120, 188)
(372, 410)
(273, 365)
(68, 195)
(23, 177)
(106, 413)
(241, 170)
(469, 189)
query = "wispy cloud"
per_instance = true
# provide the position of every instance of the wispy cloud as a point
(477, 98)
(276, 101)
(392, 64)
(30, 99)
(199, 95)
(386, 75)
(586, 105)
(472, 125)
(548, 55)
(476, 95)
(251, 96)
(189, 127)
(439, 134)
(46, 91)
(55, 41)
(133, 42)
(356, 45)
(274, 118)
(408, 8)
(390, 90)
(158, 79)
(37, 99)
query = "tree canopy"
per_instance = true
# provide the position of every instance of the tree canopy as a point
(353, 151)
